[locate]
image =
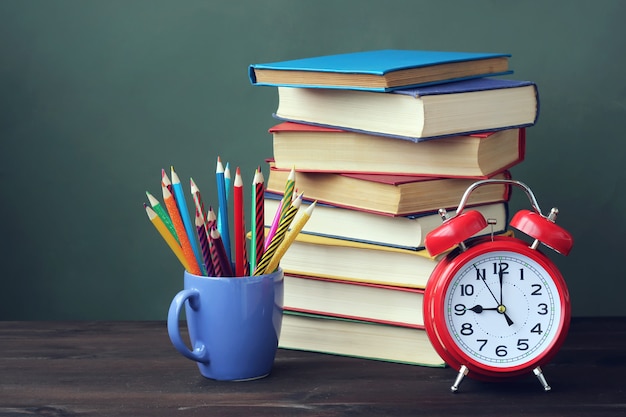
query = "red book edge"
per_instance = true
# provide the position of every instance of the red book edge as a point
(350, 317)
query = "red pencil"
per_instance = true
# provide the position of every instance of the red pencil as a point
(239, 224)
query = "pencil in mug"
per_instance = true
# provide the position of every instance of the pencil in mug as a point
(283, 226)
(160, 211)
(239, 223)
(221, 263)
(181, 203)
(165, 181)
(197, 198)
(203, 239)
(257, 204)
(167, 236)
(172, 209)
(274, 226)
(290, 184)
(291, 235)
(222, 215)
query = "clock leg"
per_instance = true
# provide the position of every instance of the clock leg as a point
(462, 372)
(542, 379)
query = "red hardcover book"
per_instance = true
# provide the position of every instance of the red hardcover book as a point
(391, 195)
(322, 149)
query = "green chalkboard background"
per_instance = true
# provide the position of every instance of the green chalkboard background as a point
(97, 96)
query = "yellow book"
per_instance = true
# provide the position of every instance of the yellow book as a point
(356, 261)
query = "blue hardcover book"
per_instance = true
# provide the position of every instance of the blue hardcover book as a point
(380, 70)
(405, 232)
(416, 114)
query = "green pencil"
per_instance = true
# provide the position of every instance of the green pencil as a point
(160, 211)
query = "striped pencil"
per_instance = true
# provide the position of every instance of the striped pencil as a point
(283, 226)
(291, 235)
(288, 194)
(221, 263)
(165, 218)
(257, 204)
(197, 198)
(181, 203)
(203, 239)
(167, 236)
(165, 181)
(211, 219)
(172, 209)
(222, 216)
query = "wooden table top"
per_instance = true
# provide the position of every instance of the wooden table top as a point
(131, 369)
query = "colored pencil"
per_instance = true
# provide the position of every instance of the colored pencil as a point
(165, 181)
(274, 225)
(288, 194)
(172, 209)
(283, 226)
(227, 188)
(222, 216)
(211, 219)
(181, 203)
(290, 236)
(257, 205)
(160, 211)
(197, 198)
(239, 225)
(203, 239)
(167, 236)
(219, 258)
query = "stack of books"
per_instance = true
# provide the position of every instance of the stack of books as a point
(383, 140)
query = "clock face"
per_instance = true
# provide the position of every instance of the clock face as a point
(502, 309)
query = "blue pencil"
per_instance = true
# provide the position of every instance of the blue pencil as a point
(179, 196)
(223, 224)
(228, 182)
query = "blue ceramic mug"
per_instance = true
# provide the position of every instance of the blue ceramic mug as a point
(234, 324)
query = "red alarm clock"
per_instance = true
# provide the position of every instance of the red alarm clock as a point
(496, 307)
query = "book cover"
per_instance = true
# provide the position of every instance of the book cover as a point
(416, 114)
(359, 339)
(379, 70)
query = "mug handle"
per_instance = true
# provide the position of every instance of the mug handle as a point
(199, 352)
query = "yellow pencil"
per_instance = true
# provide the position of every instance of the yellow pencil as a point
(167, 236)
(298, 224)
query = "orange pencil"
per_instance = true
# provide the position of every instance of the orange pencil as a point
(177, 221)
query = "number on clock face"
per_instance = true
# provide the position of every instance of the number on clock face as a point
(502, 309)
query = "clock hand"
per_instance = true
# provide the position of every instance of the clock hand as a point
(479, 309)
(482, 278)
(501, 308)
(500, 276)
